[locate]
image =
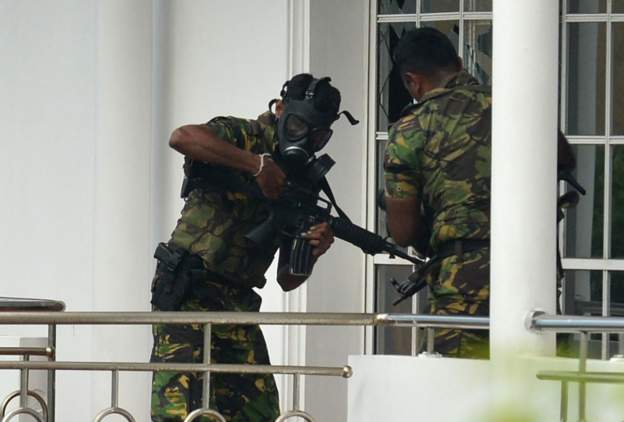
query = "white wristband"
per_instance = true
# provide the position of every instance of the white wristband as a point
(261, 164)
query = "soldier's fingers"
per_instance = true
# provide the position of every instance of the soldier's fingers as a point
(322, 226)
(316, 252)
(313, 234)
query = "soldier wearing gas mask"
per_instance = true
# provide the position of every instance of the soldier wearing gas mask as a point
(210, 265)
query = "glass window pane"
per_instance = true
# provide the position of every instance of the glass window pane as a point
(582, 296)
(618, 6)
(381, 214)
(587, 6)
(478, 5)
(388, 340)
(616, 309)
(617, 202)
(584, 223)
(583, 292)
(617, 293)
(586, 78)
(392, 7)
(617, 87)
(439, 6)
(478, 50)
(392, 96)
(448, 28)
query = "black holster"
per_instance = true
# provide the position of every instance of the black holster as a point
(174, 276)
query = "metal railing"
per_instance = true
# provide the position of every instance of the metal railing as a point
(13, 316)
(18, 305)
(583, 326)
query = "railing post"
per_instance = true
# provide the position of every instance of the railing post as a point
(52, 374)
(564, 401)
(207, 359)
(114, 408)
(430, 340)
(296, 412)
(582, 369)
(23, 400)
(115, 389)
(296, 392)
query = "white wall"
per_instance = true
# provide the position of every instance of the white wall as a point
(90, 91)
(406, 389)
(338, 36)
(47, 152)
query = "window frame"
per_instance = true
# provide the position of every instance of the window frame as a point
(605, 264)
(375, 136)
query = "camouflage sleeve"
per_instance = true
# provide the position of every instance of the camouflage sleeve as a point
(239, 132)
(402, 170)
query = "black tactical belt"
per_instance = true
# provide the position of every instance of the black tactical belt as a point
(459, 247)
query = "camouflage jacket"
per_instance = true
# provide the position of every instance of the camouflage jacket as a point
(439, 151)
(214, 224)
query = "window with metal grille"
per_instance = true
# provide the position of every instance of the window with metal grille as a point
(592, 117)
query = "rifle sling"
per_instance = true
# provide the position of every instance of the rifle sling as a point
(220, 180)
(330, 195)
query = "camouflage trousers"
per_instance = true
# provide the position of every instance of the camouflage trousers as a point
(239, 398)
(461, 286)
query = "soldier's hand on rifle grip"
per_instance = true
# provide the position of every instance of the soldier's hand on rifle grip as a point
(270, 177)
(321, 237)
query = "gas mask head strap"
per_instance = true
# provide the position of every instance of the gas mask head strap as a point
(311, 91)
(349, 117)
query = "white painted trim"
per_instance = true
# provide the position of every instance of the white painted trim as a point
(298, 61)
(369, 333)
(593, 264)
(431, 17)
(369, 210)
(586, 140)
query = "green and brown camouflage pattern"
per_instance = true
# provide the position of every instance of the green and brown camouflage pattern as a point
(213, 224)
(240, 398)
(461, 286)
(440, 153)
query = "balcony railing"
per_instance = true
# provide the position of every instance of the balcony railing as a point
(33, 312)
(583, 326)
(46, 312)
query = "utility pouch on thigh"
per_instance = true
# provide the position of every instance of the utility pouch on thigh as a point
(172, 282)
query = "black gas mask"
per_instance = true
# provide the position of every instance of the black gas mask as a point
(302, 129)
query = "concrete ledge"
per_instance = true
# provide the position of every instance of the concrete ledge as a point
(407, 389)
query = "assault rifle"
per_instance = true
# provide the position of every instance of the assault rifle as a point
(300, 206)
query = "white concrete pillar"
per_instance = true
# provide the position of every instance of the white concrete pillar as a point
(122, 206)
(524, 134)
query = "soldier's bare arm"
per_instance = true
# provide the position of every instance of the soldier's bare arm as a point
(200, 143)
(405, 222)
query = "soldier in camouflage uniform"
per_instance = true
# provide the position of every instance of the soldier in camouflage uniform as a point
(221, 266)
(437, 176)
